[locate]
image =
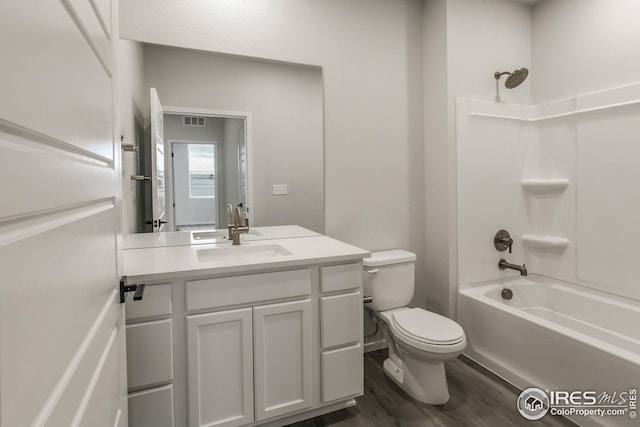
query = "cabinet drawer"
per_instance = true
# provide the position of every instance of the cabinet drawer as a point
(341, 318)
(149, 353)
(340, 277)
(212, 293)
(152, 408)
(342, 373)
(156, 302)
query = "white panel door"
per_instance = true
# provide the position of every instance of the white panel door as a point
(220, 368)
(62, 342)
(242, 167)
(282, 347)
(157, 163)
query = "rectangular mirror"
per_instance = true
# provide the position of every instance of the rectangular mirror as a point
(261, 120)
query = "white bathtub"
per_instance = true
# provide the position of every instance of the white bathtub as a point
(555, 336)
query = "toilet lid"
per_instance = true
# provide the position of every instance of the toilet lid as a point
(428, 327)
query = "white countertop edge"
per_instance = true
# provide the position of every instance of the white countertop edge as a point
(152, 264)
(185, 238)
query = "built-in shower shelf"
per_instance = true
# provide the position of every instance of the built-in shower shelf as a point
(545, 186)
(539, 241)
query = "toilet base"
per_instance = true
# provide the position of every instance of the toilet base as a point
(423, 380)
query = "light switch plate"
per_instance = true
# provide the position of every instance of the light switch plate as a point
(280, 189)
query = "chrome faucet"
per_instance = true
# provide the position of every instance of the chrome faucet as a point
(503, 264)
(237, 226)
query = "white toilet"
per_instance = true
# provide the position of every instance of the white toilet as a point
(419, 341)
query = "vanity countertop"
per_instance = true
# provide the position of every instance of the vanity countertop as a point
(185, 261)
(186, 238)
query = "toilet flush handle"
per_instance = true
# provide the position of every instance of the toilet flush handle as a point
(373, 271)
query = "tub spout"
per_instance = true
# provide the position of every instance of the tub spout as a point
(502, 264)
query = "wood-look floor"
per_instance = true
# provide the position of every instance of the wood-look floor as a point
(477, 400)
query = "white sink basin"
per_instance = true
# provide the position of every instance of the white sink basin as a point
(216, 234)
(241, 253)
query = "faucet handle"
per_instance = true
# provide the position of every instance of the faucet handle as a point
(502, 241)
(237, 217)
(229, 213)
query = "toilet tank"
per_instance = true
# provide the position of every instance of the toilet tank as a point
(389, 278)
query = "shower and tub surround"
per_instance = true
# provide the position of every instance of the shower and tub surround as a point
(566, 175)
(556, 336)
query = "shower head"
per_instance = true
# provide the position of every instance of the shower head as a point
(515, 78)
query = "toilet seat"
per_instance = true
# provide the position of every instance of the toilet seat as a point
(425, 331)
(427, 327)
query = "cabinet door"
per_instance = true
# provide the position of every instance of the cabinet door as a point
(282, 345)
(220, 368)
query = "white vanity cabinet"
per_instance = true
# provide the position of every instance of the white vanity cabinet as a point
(230, 351)
(266, 347)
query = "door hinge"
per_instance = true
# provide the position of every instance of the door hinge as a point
(125, 287)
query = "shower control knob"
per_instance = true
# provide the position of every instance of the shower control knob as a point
(502, 241)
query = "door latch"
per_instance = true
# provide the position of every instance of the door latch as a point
(125, 288)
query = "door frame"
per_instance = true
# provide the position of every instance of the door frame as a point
(248, 137)
(172, 191)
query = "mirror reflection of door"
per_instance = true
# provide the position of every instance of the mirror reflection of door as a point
(194, 185)
(242, 168)
(197, 192)
(158, 200)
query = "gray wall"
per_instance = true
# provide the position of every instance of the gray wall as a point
(285, 103)
(464, 44)
(584, 46)
(370, 52)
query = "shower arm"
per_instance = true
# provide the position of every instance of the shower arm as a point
(497, 75)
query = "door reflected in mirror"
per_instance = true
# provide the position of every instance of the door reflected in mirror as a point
(207, 170)
(275, 141)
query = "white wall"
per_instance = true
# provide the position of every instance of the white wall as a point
(370, 52)
(133, 105)
(581, 46)
(285, 103)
